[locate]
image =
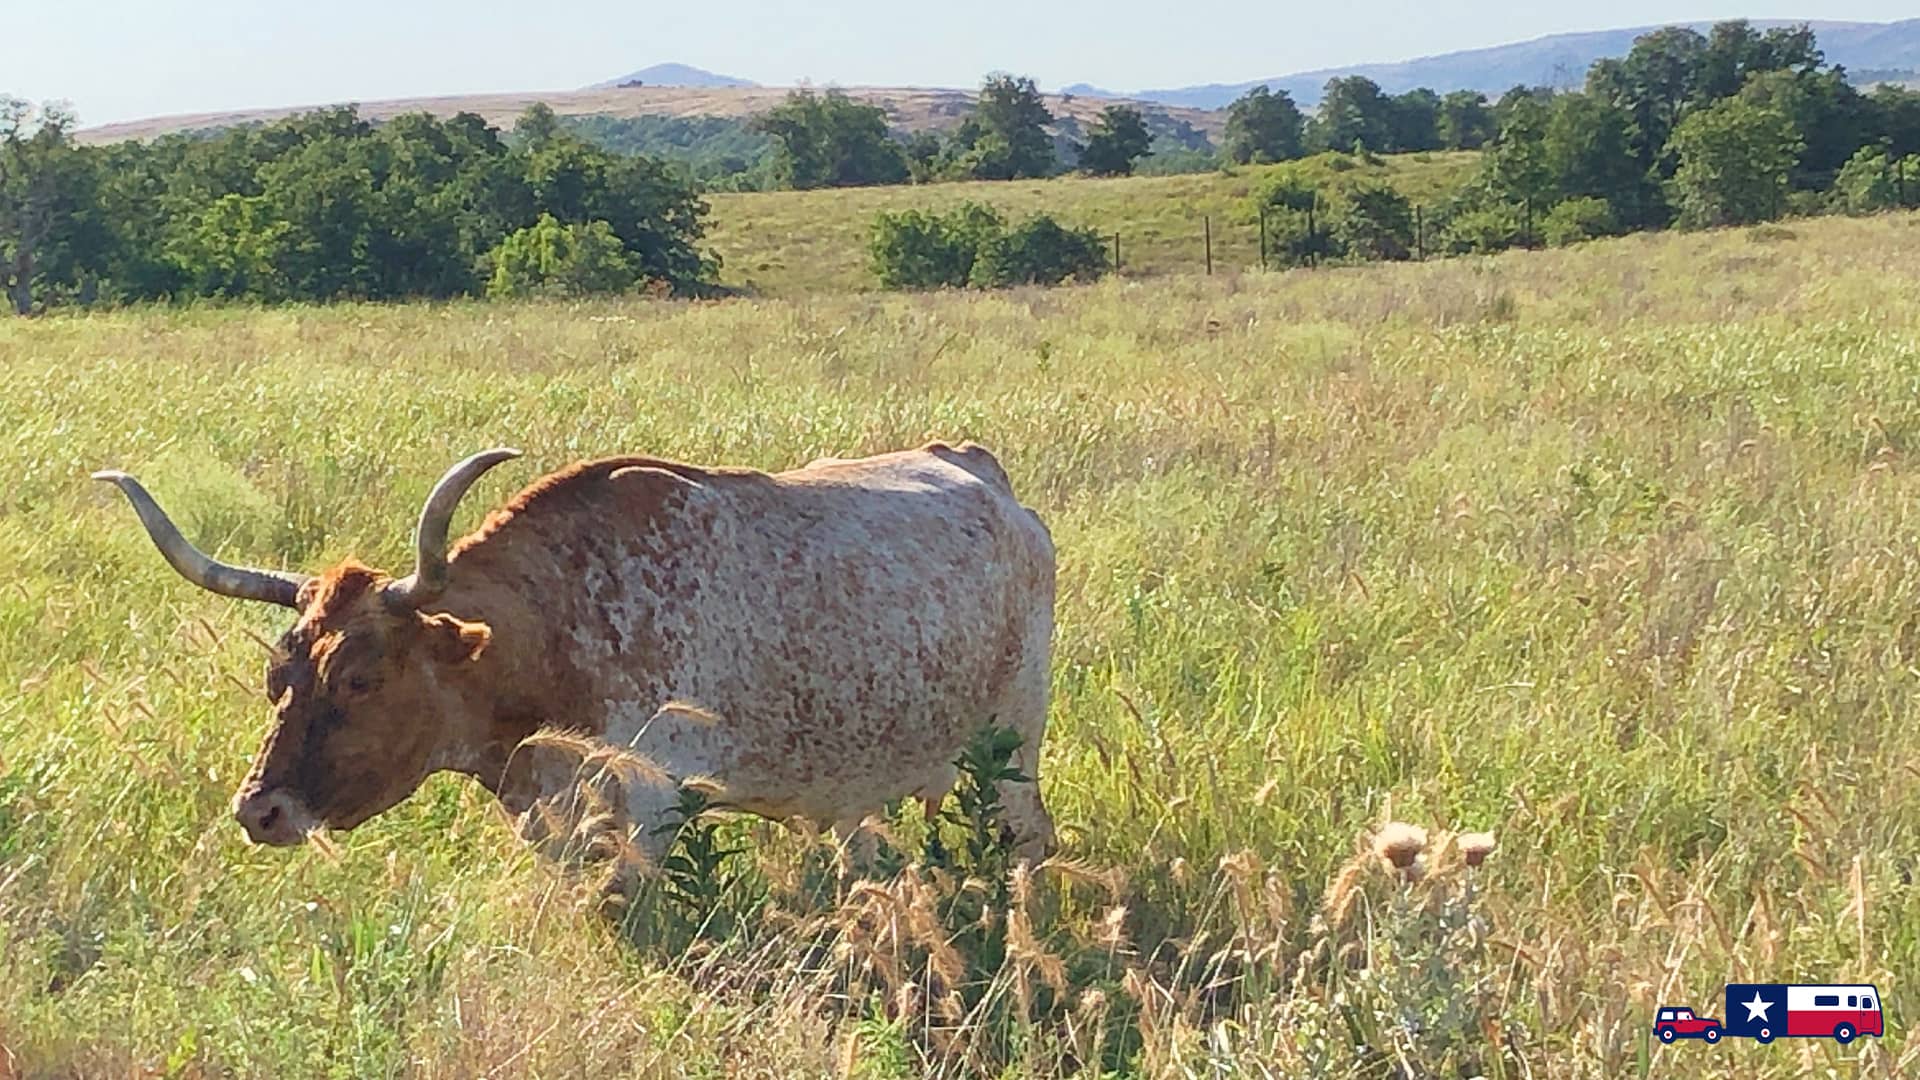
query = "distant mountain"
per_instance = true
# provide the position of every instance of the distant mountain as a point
(1556, 60)
(680, 75)
(1081, 89)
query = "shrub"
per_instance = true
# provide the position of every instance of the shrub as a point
(1481, 230)
(971, 245)
(917, 249)
(1575, 220)
(1038, 251)
(548, 258)
(1294, 235)
(1873, 181)
(1176, 160)
(1374, 221)
(1286, 189)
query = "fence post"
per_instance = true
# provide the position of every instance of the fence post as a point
(1116, 253)
(1419, 234)
(1263, 238)
(1313, 236)
(1526, 237)
(1207, 222)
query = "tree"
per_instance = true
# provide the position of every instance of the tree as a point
(1654, 83)
(1895, 113)
(1355, 114)
(228, 249)
(1588, 151)
(1007, 137)
(1516, 167)
(325, 197)
(656, 214)
(1466, 123)
(1735, 159)
(1262, 127)
(1415, 121)
(552, 259)
(36, 158)
(537, 128)
(1735, 50)
(1118, 140)
(923, 150)
(1831, 118)
(320, 206)
(833, 141)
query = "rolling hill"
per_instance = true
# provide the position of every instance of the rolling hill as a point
(796, 243)
(907, 108)
(1556, 60)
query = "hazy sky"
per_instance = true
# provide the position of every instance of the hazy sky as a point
(125, 59)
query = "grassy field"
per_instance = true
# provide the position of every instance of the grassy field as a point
(1611, 551)
(789, 243)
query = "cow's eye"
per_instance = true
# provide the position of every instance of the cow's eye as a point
(359, 684)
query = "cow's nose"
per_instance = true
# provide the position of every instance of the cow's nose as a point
(271, 817)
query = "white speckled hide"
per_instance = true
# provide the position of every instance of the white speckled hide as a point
(847, 627)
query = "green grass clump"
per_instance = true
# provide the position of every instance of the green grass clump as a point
(1610, 551)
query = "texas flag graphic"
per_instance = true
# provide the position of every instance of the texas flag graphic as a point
(1768, 1011)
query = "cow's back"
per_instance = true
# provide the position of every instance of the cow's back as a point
(849, 624)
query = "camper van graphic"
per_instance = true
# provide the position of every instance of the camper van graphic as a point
(1769, 1011)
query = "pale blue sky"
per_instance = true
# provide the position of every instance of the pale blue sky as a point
(124, 59)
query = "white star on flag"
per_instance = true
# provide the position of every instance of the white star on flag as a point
(1757, 1008)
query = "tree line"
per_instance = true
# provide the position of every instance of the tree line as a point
(329, 206)
(1735, 126)
(831, 140)
(1761, 117)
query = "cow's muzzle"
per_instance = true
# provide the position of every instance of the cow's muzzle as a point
(273, 816)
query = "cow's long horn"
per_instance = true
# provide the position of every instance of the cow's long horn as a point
(429, 575)
(245, 583)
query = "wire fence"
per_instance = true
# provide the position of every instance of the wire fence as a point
(1428, 237)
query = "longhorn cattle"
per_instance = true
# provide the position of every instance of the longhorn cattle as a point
(844, 630)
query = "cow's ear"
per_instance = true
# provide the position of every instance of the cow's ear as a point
(455, 640)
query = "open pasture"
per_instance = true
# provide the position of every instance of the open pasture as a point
(1611, 551)
(792, 243)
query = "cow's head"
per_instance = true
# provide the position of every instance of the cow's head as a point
(358, 685)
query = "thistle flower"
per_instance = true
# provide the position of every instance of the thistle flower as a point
(1476, 846)
(1400, 843)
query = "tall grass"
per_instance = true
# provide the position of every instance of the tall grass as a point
(1611, 552)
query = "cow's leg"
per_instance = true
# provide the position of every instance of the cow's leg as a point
(858, 847)
(1024, 710)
